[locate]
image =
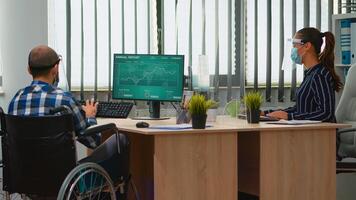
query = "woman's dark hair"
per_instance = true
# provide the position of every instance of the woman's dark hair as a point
(326, 57)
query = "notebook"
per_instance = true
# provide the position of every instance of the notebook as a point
(262, 118)
(294, 122)
(175, 126)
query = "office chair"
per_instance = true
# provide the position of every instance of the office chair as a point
(39, 159)
(346, 113)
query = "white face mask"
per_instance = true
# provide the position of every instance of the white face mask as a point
(56, 81)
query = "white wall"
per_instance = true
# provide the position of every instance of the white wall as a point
(23, 25)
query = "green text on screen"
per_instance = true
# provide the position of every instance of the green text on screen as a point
(148, 77)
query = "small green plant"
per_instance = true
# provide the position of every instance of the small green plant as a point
(198, 105)
(253, 100)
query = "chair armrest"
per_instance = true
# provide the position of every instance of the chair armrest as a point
(345, 167)
(346, 130)
(93, 130)
(63, 109)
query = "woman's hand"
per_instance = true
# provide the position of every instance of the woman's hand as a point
(278, 114)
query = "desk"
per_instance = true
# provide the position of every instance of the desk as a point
(275, 162)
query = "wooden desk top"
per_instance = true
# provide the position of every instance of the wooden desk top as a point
(224, 124)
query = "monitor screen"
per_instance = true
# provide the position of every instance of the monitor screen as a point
(148, 77)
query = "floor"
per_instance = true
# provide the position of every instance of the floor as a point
(244, 196)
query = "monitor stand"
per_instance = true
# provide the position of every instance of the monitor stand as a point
(154, 109)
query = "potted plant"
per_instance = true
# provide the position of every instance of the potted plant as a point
(253, 101)
(198, 107)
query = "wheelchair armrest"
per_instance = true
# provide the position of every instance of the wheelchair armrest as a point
(61, 109)
(346, 130)
(93, 130)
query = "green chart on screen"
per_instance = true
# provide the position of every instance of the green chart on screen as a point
(148, 77)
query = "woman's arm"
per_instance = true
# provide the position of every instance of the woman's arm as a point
(324, 99)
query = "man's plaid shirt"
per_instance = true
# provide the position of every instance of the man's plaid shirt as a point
(38, 98)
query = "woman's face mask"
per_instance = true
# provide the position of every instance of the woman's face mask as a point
(296, 58)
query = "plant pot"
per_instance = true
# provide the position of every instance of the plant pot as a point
(199, 121)
(253, 116)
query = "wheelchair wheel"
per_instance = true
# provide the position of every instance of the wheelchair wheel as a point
(87, 181)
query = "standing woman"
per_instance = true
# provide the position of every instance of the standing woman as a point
(316, 95)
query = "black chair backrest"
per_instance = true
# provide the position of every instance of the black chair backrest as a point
(38, 152)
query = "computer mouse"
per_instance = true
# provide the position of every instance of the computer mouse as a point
(142, 125)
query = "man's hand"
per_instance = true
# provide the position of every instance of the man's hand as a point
(90, 108)
(278, 114)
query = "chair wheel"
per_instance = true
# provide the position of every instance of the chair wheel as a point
(87, 181)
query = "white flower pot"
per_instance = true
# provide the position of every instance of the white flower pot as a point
(212, 113)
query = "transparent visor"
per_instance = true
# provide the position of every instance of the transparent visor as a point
(295, 41)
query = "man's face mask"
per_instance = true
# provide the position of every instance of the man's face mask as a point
(56, 80)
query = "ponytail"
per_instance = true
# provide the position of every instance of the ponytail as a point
(327, 58)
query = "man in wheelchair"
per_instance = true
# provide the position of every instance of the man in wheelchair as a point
(43, 95)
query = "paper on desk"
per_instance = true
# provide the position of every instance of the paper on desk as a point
(174, 126)
(294, 122)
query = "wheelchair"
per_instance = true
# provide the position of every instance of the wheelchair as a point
(40, 161)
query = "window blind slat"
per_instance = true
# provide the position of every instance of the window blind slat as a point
(330, 13)
(348, 6)
(160, 23)
(176, 25)
(123, 25)
(255, 81)
(306, 13)
(148, 26)
(241, 44)
(339, 10)
(191, 33)
(203, 28)
(68, 42)
(294, 70)
(318, 14)
(281, 52)
(216, 76)
(229, 52)
(109, 49)
(269, 52)
(135, 6)
(82, 51)
(96, 49)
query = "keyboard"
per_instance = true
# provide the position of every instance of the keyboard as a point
(108, 109)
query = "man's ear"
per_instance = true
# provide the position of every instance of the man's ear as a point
(55, 69)
(29, 70)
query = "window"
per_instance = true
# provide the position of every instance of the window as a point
(179, 30)
(176, 23)
(276, 37)
(57, 35)
(1, 66)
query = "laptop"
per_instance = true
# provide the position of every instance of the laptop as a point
(262, 118)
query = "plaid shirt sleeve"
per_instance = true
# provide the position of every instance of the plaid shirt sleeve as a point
(80, 122)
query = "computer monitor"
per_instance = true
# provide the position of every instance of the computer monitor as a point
(153, 78)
